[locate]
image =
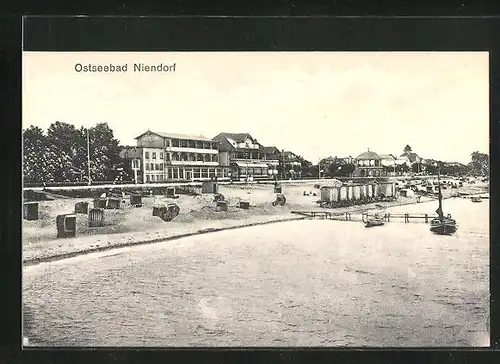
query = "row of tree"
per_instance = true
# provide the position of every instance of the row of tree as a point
(60, 154)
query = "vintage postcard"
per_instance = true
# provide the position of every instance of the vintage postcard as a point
(251, 199)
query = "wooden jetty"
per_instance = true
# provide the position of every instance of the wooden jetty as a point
(363, 216)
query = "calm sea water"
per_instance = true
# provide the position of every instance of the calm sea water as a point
(302, 283)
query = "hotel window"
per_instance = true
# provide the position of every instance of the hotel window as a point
(161, 155)
(147, 178)
(159, 167)
(135, 163)
(147, 166)
(147, 155)
(154, 155)
(196, 173)
(204, 173)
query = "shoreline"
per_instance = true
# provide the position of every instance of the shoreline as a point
(90, 250)
(123, 244)
(130, 227)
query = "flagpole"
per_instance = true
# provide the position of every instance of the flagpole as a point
(440, 196)
(88, 156)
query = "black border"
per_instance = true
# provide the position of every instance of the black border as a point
(232, 34)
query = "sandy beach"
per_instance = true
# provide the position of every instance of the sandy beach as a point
(130, 226)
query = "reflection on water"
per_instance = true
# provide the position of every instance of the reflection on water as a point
(302, 283)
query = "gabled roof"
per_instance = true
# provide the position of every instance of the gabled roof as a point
(237, 137)
(177, 136)
(385, 156)
(225, 145)
(411, 156)
(271, 150)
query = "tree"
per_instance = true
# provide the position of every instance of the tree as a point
(403, 168)
(479, 163)
(104, 152)
(454, 169)
(333, 169)
(64, 138)
(347, 169)
(407, 149)
(35, 155)
(431, 169)
(61, 155)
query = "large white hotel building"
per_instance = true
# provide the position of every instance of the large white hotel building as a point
(161, 157)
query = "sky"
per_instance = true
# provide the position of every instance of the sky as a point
(316, 104)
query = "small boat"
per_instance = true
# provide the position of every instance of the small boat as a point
(442, 225)
(476, 199)
(374, 221)
(445, 226)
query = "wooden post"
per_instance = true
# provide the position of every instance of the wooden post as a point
(407, 217)
(426, 218)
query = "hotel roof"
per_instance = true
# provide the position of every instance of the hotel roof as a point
(177, 136)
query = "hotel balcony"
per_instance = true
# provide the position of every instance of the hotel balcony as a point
(191, 150)
(271, 162)
(192, 163)
(191, 144)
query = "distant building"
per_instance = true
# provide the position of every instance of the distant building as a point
(389, 162)
(292, 165)
(409, 158)
(162, 157)
(133, 162)
(245, 157)
(338, 160)
(348, 160)
(274, 159)
(368, 164)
